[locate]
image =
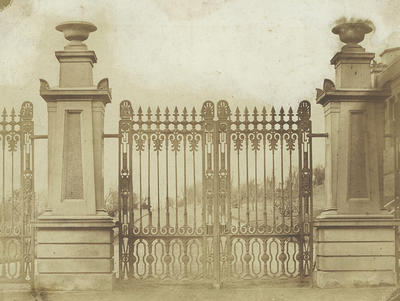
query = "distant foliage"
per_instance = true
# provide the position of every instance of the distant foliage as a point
(111, 202)
(274, 190)
(319, 175)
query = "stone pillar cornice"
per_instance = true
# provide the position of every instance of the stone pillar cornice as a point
(352, 58)
(352, 95)
(76, 56)
(101, 93)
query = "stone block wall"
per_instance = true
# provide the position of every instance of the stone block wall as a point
(356, 255)
(75, 258)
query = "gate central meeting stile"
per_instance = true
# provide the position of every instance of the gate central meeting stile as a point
(218, 195)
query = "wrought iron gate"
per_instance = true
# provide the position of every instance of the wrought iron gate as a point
(218, 195)
(16, 195)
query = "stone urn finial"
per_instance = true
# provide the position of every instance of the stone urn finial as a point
(76, 32)
(352, 33)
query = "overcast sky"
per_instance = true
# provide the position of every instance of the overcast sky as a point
(252, 52)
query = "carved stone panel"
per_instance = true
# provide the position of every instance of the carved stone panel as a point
(73, 184)
(358, 182)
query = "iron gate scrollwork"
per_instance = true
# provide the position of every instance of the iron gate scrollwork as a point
(216, 195)
(17, 195)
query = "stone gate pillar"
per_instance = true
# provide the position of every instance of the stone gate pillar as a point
(354, 235)
(74, 235)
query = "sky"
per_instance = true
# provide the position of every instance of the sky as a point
(180, 52)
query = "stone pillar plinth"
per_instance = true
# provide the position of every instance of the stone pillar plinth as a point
(74, 235)
(354, 251)
(354, 235)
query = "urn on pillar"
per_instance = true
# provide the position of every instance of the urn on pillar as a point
(354, 234)
(75, 233)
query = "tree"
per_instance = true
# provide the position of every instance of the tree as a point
(111, 202)
(319, 175)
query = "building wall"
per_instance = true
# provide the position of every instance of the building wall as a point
(392, 113)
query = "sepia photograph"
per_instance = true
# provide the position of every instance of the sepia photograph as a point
(199, 150)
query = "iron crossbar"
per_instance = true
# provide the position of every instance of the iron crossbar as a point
(111, 135)
(36, 137)
(104, 136)
(319, 135)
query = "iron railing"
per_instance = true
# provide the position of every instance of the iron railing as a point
(17, 195)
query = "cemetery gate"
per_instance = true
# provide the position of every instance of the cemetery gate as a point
(215, 195)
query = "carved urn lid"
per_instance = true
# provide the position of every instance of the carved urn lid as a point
(76, 32)
(352, 33)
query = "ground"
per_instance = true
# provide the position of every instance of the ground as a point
(197, 292)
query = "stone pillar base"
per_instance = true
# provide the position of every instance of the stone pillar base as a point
(354, 251)
(74, 253)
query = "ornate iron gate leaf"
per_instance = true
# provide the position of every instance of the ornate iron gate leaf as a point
(215, 196)
(17, 195)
